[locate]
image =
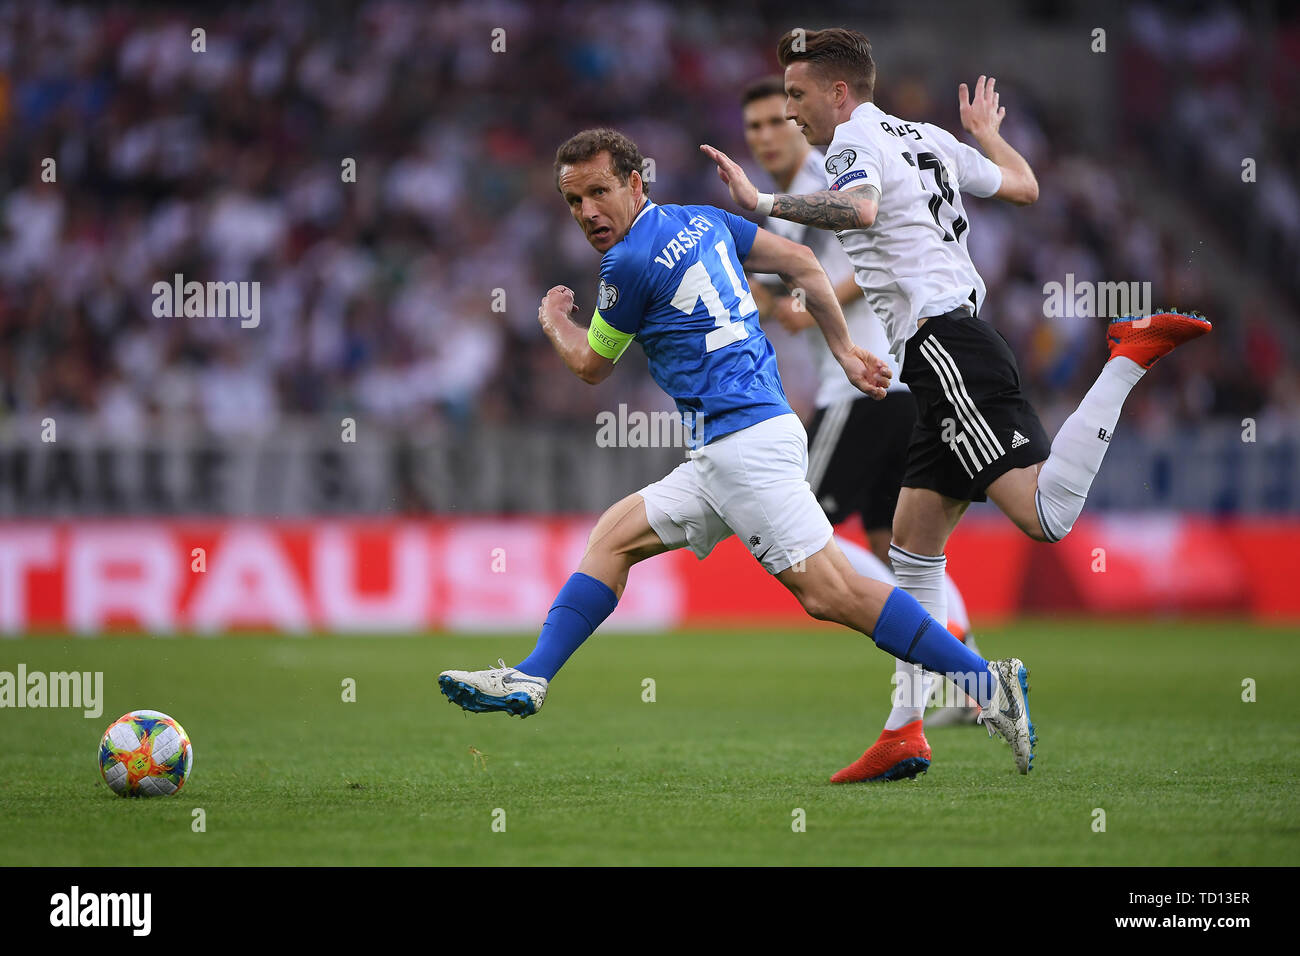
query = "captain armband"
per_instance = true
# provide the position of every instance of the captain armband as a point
(606, 340)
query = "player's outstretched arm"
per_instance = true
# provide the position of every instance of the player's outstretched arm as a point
(799, 269)
(981, 116)
(828, 209)
(570, 340)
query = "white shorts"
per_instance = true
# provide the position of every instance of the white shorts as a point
(751, 483)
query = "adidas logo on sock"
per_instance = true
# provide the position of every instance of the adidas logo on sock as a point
(1018, 439)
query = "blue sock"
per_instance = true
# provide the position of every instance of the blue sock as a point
(908, 632)
(580, 607)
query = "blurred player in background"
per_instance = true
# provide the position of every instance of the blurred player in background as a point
(857, 448)
(894, 199)
(672, 278)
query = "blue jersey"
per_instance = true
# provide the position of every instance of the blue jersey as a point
(676, 282)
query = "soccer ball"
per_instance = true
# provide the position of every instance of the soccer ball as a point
(145, 754)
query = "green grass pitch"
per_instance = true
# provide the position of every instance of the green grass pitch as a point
(1145, 721)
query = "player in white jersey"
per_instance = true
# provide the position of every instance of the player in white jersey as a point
(894, 199)
(857, 450)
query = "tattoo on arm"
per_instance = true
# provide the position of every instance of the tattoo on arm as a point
(826, 209)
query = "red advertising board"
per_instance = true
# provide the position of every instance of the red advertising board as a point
(480, 574)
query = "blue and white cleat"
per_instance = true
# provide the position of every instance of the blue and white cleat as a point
(1008, 712)
(499, 688)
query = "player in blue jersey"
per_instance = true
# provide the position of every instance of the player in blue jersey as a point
(672, 277)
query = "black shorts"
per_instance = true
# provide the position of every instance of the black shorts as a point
(973, 422)
(857, 452)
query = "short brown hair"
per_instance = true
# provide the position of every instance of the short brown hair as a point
(625, 157)
(762, 88)
(835, 53)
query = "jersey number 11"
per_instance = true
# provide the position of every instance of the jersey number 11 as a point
(698, 284)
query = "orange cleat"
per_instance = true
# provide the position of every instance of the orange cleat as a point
(1144, 339)
(897, 755)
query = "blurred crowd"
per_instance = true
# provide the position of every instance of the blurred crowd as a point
(410, 294)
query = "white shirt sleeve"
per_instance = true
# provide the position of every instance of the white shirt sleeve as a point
(852, 162)
(977, 175)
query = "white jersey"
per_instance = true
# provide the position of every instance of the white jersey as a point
(912, 262)
(864, 325)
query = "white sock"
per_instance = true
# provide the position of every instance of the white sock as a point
(912, 687)
(925, 578)
(1080, 446)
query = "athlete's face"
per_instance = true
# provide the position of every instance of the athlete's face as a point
(812, 102)
(602, 204)
(775, 142)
